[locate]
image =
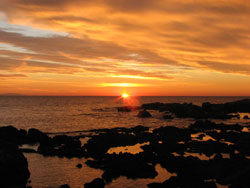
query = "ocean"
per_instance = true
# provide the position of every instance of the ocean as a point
(65, 114)
(69, 114)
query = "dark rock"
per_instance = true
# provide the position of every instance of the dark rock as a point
(131, 166)
(209, 147)
(128, 108)
(139, 129)
(124, 109)
(12, 134)
(209, 125)
(64, 186)
(62, 146)
(13, 166)
(35, 135)
(96, 183)
(172, 133)
(66, 140)
(79, 165)
(27, 150)
(62, 151)
(207, 110)
(218, 157)
(246, 117)
(99, 145)
(175, 182)
(144, 114)
(166, 116)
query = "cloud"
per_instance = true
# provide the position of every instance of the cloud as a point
(148, 40)
(7, 76)
(227, 67)
(62, 54)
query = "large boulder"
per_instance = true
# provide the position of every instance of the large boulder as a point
(12, 134)
(13, 166)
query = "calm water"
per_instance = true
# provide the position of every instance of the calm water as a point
(61, 114)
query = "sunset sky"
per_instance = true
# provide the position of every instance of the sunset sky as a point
(143, 47)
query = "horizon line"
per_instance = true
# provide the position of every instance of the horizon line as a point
(22, 95)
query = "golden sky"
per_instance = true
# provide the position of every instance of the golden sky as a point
(144, 47)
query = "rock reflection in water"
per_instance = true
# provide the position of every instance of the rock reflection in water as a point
(124, 182)
(52, 172)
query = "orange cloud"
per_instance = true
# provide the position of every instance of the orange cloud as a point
(162, 43)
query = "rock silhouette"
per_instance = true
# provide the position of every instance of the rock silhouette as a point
(175, 149)
(96, 183)
(13, 166)
(144, 114)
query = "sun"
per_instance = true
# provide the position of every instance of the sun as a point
(125, 95)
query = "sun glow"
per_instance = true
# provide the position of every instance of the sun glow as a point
(125, 95)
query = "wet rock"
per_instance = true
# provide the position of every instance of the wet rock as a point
(65, 186)
(96, 183)
(13, 166)
(144, 114)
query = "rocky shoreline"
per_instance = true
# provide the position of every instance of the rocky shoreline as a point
(226, 146)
